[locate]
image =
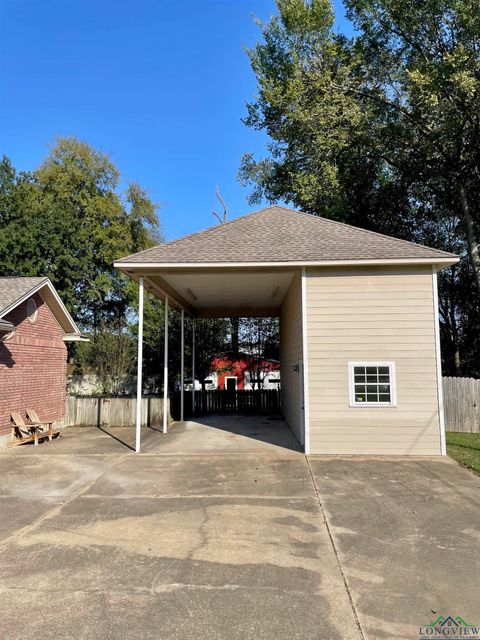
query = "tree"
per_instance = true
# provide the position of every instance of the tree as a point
(111, 356)
(421, 67)
(211, 335)
(380, 130)
(259, 340)
(67, 221)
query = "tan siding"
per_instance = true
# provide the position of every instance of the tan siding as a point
(383, 314)
(291, 353)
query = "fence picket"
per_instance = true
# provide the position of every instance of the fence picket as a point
(461, 398)
(114, 412)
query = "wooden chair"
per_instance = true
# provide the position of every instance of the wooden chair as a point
(22, 432)
(46, 426)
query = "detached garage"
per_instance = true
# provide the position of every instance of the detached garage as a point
(359, 333)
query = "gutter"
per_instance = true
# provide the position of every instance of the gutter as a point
(75, 337)
(6, 327)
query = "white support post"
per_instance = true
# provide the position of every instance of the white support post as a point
(193, 366)
(138, 407)
(438, 357)
(182, 366)
(306, 401)
(165, 371)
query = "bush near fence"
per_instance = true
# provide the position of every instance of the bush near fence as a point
(112, 411)
(461, 399)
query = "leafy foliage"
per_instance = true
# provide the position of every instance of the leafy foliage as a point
(111, 356)
(380, 130)
(260, 341)
(67, 221)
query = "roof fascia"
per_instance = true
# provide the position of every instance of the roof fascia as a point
(131, 267)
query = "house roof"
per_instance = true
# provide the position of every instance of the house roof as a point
(15, 290)
(284, 236)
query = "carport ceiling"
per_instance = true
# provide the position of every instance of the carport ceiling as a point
(228, 292)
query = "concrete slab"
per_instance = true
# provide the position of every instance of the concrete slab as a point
(227, 433)
(182, 614)
(85, 441)
(178, 568)
(18, 512)
(407, 534)
(184, 541)
(214, 434)
(37, 475)
(222, 474)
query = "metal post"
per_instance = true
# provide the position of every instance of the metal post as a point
(138, 407)
(193, 367)
(165, 371)
(182, 365)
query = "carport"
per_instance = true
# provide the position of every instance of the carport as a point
(250, 267)
(359, 328)
(203, 290)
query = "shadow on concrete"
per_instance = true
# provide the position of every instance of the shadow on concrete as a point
(271, 430)
(105, 430)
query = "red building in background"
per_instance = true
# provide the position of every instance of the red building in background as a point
(241, 371)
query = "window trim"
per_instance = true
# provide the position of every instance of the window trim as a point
(369, 363)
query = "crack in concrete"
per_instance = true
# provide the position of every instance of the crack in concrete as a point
(194, 496)
(335, 551)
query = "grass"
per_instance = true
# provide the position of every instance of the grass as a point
(465, 449)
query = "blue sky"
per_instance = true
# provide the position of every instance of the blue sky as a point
(160, 85)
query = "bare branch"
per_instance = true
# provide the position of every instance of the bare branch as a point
(219, 196)
(217, 216)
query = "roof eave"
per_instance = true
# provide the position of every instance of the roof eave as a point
(6, 326)
(442, 261)
(75, 337)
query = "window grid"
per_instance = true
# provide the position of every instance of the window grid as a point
(372, 384)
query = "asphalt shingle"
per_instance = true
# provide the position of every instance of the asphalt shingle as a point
(13, 289)
(278, 234)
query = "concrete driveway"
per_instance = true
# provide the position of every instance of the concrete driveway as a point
(224, 530)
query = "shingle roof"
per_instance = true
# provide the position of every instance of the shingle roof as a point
(13, 289)
(278, 234)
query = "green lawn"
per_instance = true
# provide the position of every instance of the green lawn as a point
(465, 449)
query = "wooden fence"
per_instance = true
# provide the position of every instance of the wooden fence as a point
(266, 401)
(461, 397)
(114, 412)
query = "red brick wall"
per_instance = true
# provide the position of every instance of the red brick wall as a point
(33, 366)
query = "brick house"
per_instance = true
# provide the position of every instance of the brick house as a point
(34, 329)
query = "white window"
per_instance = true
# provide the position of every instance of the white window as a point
(372, 384)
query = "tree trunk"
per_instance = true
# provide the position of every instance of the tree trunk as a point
(234, 329)
(473, 244)
(457, 362)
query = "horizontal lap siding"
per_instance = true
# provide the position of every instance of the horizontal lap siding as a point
(290, 354)
(372, 315)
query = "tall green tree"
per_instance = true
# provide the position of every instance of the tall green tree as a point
(67, 221)
(379, 130)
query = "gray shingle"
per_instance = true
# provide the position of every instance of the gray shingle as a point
(12, 289)
(277, 234)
